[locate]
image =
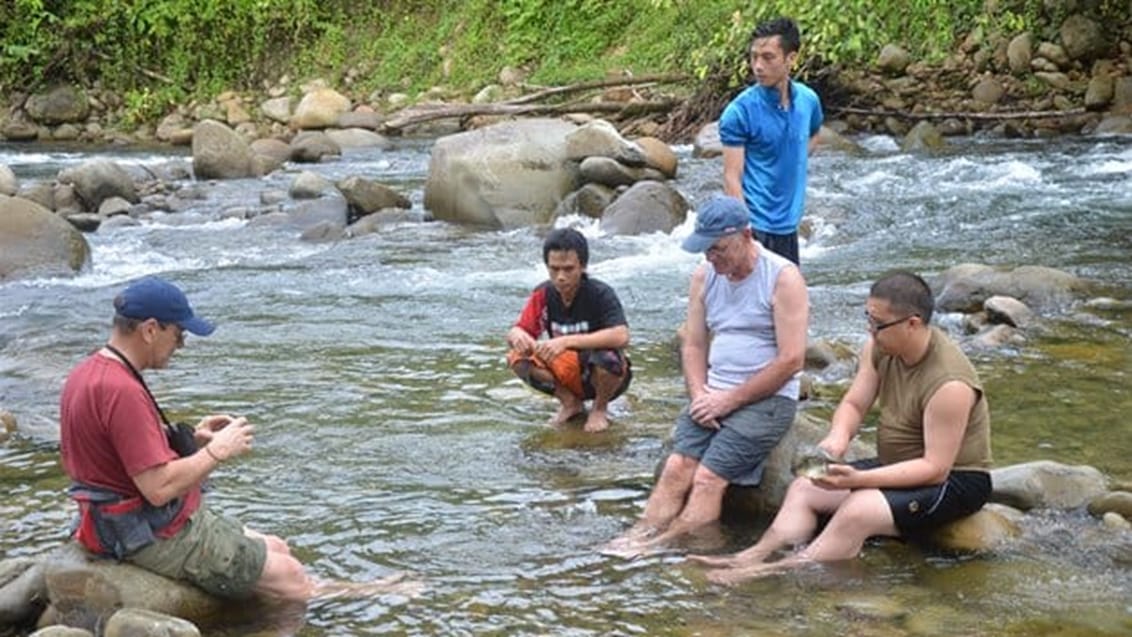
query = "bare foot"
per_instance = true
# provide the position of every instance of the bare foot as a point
(715, 561)
(568, 408)
(733, 576)
(596, 421)
(395, 584)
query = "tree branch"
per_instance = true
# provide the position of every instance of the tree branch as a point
(959, 115)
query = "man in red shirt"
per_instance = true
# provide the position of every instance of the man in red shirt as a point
(137, 479)
(582, 358)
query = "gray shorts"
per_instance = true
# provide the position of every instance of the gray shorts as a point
(737, 451)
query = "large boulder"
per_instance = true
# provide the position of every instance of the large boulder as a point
(967, 286)
(983, 530)
(599, 138)
(1046, 484)
(97, 180)
(59, 105)
(320, 109)
(23, 590)
(85, 592)
(646, 207)
(707, 143)
(366, 196)
(507, 175)
(220, 152)
(36, 242)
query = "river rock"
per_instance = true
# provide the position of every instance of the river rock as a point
(612, 173)
(23, 591)
(1008, 310)
(1115, 521)
(379, 220)
(590, 200)
(923, 136)
(1019, 52)
(982, 531)
(707, 143)
(309, 185)
(36, 242)
(358, 138)
(113, 206)
(1100, 92)
(1083, 38)
(17, 129)
(988, 91)
(1114, 125)
(8, 184)
(313, 147)
(823, 353)
(277, 109)
(506, 175)
(139, 622)
(59, 105)
(658, 155)
(599, 138)
(967, 286)
(1046, 484)
(320, 108)
(84, 592)
(362, 118)
(893, 59)
(366, 196)
(98, 180)
(220, 152)
(646, 207)
(1112, 502)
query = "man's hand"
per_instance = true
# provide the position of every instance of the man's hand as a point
(233, 439)
(520, 341)
(837, 477)
(208, 426)
(549, 350)
(834, 445)
(711, 405)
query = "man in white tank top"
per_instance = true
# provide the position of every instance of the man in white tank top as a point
(742, 354)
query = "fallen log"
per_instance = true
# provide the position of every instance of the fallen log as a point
(958, 115)
(585, 86)
(420, 114)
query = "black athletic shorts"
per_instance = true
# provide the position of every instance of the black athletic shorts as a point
(924, 509)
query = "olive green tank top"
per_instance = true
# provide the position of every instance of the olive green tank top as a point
(903, 395)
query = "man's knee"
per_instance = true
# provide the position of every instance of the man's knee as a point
(284, 578)
(679, 468)
(706, 480)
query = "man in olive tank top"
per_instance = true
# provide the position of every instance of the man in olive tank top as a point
(933, 444)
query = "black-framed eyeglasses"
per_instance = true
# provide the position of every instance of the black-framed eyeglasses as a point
(875, 327)
(180, 331)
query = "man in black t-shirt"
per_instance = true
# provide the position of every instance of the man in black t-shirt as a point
(583, 358)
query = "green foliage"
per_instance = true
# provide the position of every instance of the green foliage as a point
(160, 52)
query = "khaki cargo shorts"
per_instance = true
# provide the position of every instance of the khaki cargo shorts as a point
(212, 552)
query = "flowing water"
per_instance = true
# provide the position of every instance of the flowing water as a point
(390, 435)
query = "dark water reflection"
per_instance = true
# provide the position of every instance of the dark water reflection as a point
(390, 436)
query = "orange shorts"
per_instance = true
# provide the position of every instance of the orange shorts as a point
(566, 369)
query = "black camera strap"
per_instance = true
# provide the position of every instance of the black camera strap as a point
(138, 376)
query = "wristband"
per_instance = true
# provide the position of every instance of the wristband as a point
(214, 456)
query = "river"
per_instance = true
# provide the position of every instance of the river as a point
(391, 436)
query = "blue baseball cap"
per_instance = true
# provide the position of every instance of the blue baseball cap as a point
(717, 217)
(156, 298)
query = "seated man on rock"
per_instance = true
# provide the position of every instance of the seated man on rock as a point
(583, 358)
(743, 348)
(933, 444)
(137, 479)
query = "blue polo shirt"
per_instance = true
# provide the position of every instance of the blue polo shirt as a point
(775, 154)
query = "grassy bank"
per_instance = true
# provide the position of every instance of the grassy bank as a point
(162, 52)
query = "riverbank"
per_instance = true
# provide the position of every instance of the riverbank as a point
(1069, 74)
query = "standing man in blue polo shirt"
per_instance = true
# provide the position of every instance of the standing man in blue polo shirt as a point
(767, 132)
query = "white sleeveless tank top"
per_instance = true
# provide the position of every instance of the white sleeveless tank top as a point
(740, 317)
